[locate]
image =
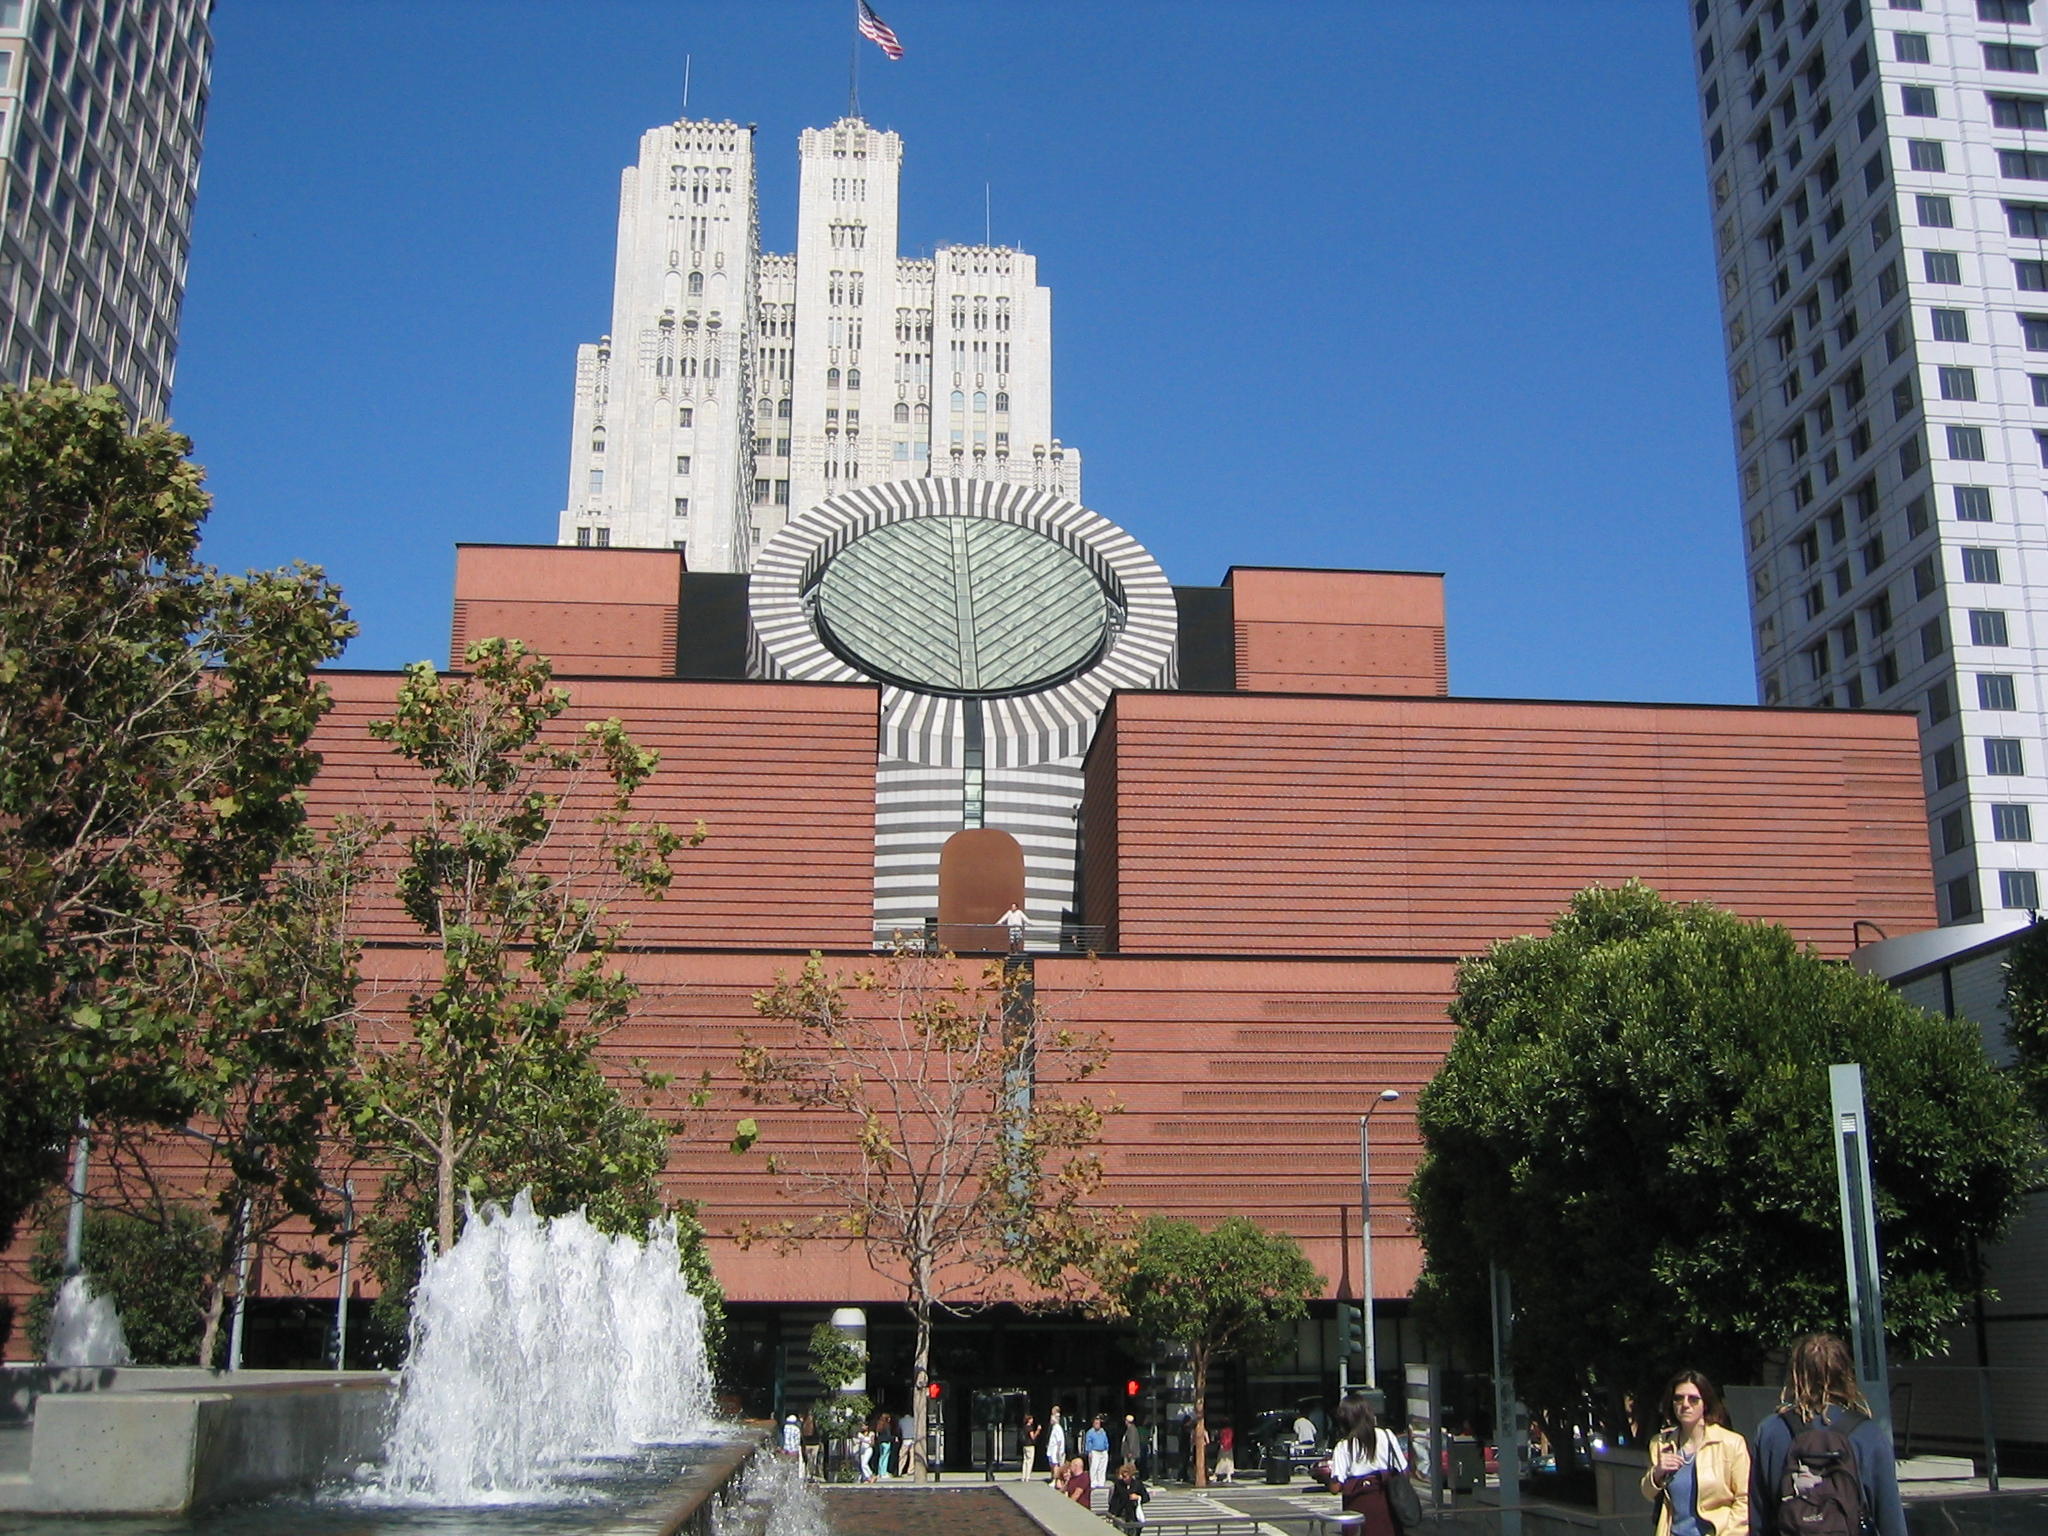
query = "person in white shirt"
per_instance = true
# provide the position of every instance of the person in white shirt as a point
(1056, 1442)
(1018, 924)
(1364, 1461)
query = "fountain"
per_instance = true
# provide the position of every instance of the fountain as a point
(537, 1345)
(84, 1328)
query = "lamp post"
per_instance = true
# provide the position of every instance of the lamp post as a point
(1372, 1373)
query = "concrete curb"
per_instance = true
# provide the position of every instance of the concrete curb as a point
(1052, 1512)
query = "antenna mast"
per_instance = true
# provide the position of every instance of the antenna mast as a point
(686, 85)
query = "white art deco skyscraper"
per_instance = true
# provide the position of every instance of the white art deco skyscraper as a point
(703, 426)
(102, 105)
(1879, 191)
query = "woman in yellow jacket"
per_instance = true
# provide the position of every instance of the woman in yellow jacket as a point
(1699, 1468)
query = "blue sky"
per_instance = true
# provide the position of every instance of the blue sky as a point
(1409, 286)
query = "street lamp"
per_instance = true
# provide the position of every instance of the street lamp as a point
(1387, 1096)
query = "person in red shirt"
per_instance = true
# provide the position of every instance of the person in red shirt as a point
(1074, 1482)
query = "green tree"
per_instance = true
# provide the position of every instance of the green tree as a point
(838, 1361)
(494, 1084)
(154, 1269)
(2026, 1012)
(1633, 1121)
(962, 1154)
(154, 726)
(1235, 1289)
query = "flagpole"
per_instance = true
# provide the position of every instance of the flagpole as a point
(853, 67)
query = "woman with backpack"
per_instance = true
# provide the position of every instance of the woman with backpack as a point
(1699, 1467)
(1365, 1465)
(1821, 1464)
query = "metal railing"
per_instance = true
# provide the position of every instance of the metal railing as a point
(933, 937)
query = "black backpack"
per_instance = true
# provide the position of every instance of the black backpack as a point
(1819, 1491)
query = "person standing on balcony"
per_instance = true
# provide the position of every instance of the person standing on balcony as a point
(1018, 923)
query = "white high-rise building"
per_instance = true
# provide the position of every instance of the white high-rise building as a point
(102, 108)
(842, 365)
(1879, 190)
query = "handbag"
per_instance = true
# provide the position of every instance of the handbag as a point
(1402, 1502)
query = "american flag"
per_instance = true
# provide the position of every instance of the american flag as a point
(876, 31)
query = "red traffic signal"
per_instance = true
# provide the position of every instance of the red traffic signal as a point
(933, 1389)
(1133, 1388)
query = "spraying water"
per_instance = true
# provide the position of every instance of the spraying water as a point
(84, 1328)
(537, 1344)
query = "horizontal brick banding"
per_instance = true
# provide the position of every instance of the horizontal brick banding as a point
(1317, 824)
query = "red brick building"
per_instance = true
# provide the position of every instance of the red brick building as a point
(1278, 848)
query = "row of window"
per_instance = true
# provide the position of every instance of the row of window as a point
(2018, 890)
(2009, 824)
(2004, 58)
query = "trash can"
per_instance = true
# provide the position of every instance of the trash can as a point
(1279, 1467)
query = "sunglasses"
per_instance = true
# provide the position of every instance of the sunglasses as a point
(1687, 1397)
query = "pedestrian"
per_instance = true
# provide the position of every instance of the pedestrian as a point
(1699, 1467)
(1226, 1455)
(1033, 1438)
(865, 1445)
(1823, 1449)
(885, 1444)
(908, 1450)
(1018, 924)
(792, 1436)
(1363, 1462)
(813, 1443)
(1133, 1448)
(1096, 1444)
(1056, 1444)
(1128, 1494)
(1074, 1481)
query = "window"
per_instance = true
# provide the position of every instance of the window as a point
(1980, 565)
(1952, 325)
(1926, 582)
(1896, 337)
(1955, 832)
(1938, 708)
(583, 538)
(2030, 276)
(853, 378)
(682, 463)
(782, 493)
(1987, 627)
(597, 482)
(902, 412)
(1888, 283)
(2019, 112)
(1962, 899)
(604, 538)
(1866, 119)
(2039, 383)
(782, 447)
(1946, 769)
(2041, 442)
(1910, 48)
(2012, 823)
(1958, 383)
(1931, 641)
(2014, 13)
(2023, 164)
(2019, 888)
(2004, 756)
(1995, 691)
(1942, 266)
(1925, 155)
(2034, 331)
(1002, 402)
(1916, 519)
(682, 506)
(696, 285)
(1973, 503)
(1912, 454)
(1966, 443)
(1873, 557)
(1887, 672)
(761, 492)
(2012, 58)
(2027, 221)
(1918, 101)
(1936, 212)
(831, 378)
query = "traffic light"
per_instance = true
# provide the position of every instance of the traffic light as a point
(1350, 1332)
(935, 1389)
(1132, 1388)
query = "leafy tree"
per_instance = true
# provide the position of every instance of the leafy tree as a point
(155, 1271)
(837, 1361)
(2026, 1012)
(1233, 1290)
(963, 1159)
(494, 1085)
(1633, 1121)
(154, 725)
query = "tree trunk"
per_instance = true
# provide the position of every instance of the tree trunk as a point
(1199, 1359)
(921, 1309)
(444, 1184)
(209, 1336)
